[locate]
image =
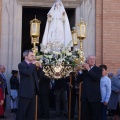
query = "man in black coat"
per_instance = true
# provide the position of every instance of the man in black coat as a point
(90, 93)
(29, 76)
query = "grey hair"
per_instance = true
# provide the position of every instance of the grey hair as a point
(110, 74)
(118, 72)
(90, 56)
(1, 66)
(26, 52)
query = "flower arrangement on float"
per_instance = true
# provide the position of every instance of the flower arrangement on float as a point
(64, 56)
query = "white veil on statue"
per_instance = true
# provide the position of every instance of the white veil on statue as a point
(57, 32)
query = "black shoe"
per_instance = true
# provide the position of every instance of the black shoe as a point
(41, 116)
(66, 114)
(76, 118)
(12, 110)
(46, 117)
(58, 114)
(3, 117)
(71, 117)
(16, 110)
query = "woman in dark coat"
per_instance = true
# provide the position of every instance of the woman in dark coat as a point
(114, 98)
(14, 84)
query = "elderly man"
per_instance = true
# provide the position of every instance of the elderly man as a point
(90, 96)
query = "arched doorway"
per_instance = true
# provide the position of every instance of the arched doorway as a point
(41, 14)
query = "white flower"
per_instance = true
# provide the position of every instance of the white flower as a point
(76, 49)
(63, 51)
(69, 54)
(46, 56)
(67, 62)
(74, 56)
(50, 56)
(41, 61)
(46, 51)
(53, 52)
(62, 60)
(56, 53)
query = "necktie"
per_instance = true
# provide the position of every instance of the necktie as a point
(5, 84)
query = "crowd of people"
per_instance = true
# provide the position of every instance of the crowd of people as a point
(99, 91)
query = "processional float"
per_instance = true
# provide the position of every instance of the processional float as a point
(57, 58)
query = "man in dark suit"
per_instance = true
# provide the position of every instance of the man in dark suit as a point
(90, 93)
(2, 70)
(29, 76)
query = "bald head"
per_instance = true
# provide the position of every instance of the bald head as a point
(91, 60)
(2, 69)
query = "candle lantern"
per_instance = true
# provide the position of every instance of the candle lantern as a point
(81, 29)
(74, 36)
(35, 33)
(35, 28)
(79, 34)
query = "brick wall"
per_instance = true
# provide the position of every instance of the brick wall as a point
(107, 33)
(99, 27)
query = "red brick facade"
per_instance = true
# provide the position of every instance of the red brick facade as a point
(107, 33)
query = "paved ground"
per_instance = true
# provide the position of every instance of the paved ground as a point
(11, 116)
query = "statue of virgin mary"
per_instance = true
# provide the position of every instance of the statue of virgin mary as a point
(57, 32)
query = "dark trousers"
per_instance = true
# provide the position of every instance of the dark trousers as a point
(61, 95)
(91, 110)
(52, 99)
(44, 105)
(5, 102)
(104, 110)
(26, 108)
(74, 98)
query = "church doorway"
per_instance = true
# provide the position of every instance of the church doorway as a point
(41, 14)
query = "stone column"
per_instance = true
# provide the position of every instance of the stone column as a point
(87, 11)
(10, 50)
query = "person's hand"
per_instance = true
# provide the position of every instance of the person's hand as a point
(1, 102)
(86, 66)
(105, 103)
(34, 61)
(78, 68)
(37, 63)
